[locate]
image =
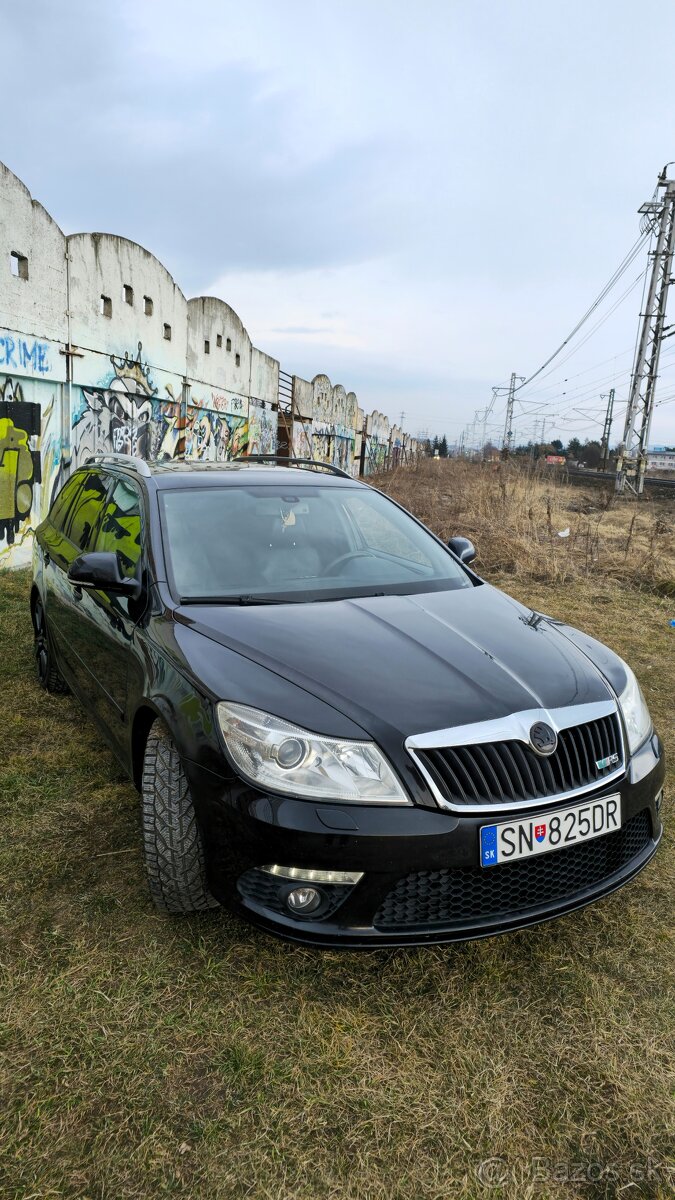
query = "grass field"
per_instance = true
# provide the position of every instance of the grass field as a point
(145, 1056)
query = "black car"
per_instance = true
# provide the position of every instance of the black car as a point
(337, 728)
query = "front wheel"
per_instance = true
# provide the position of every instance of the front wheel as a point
(49, 676)
(172, 841)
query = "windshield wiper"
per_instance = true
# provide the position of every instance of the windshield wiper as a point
(243, 600)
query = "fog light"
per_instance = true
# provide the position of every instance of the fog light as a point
(303, 899)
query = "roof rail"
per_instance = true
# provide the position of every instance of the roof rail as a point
(296, 462)
(123, 460)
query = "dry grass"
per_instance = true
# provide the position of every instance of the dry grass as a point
(516, 517)
(150, 1057)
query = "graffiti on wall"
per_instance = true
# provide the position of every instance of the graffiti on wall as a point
(262, 428)
(215, 436)
(334, 425)
(222, 402)
(167, 438)
(19, 462)
(116, 417)
(25, 355)
(302, 440)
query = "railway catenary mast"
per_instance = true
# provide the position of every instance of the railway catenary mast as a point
(632, 458)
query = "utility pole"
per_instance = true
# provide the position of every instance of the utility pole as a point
(508, 424)
(632, 460)
(487, 412)
(604, 445)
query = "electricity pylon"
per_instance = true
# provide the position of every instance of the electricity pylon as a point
(604, 444)
(632, 458)
(508, 423)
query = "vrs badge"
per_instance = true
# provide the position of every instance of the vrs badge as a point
(610, 761)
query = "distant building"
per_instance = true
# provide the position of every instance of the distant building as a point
(661, 458)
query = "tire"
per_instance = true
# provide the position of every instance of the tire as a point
(48, 674)
(172, 842)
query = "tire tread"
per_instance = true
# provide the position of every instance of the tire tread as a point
(172, 843)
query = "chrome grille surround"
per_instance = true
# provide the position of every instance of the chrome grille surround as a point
(515, 727)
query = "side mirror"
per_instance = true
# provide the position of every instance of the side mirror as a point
(463, 548)
(100, 570)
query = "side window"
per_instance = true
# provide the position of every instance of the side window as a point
(86, 510)
(120, 528)
(61, 505)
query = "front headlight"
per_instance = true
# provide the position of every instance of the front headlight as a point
(635, 712)
(271, 753)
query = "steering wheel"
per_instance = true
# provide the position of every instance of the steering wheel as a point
(343, 558)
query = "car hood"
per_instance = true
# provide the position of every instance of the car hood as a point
(410, 664)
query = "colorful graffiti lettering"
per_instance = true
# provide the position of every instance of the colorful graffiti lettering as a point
(224, 403)
(19, 464)
(215, 437)
(117, 417)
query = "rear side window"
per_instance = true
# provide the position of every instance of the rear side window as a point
(120, 528)
(63, 501)
(86, 510)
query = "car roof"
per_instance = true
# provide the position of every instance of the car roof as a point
(187, 474)
(177, 473)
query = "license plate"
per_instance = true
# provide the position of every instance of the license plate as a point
(549, 831)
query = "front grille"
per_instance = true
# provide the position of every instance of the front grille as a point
(453, 896)
(505, 772)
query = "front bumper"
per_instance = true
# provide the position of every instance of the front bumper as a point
(421, 880)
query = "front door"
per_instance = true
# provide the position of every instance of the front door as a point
(105, 625)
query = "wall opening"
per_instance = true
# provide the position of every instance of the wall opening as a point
(219, 341)
(237, 360)
(147, 306)
(18, 265)
(228, 345)
(128, 293)
(207, 347)
(167, 333)
(105, 306)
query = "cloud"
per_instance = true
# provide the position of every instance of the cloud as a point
(193, 168)
(419, 201)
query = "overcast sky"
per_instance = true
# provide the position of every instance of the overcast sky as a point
(416, 199)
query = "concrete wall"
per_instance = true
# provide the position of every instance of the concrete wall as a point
(100, 351)
(128, 330)
(33, 330)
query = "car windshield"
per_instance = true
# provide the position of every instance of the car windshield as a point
(304, 543)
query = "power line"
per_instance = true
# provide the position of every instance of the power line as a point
(612, 281)
(594, 328)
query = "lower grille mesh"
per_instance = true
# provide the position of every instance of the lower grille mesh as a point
(267, 890)
(453, 896)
